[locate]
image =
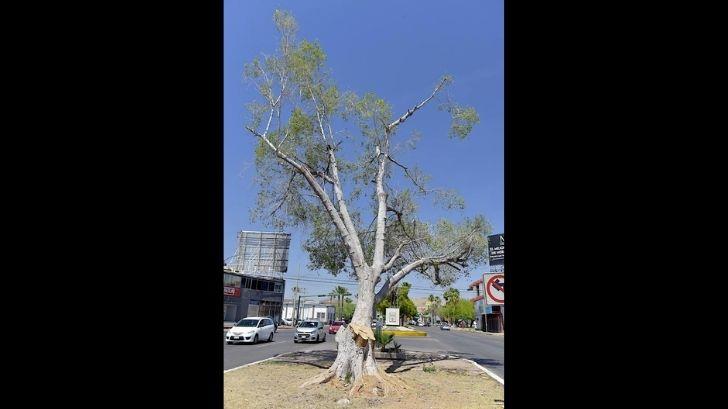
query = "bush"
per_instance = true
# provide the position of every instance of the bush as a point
(381, 339)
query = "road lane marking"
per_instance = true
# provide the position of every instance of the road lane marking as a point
(252, 363)
(492, 375)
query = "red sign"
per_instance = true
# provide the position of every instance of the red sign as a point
(232, 291)
(494, 288)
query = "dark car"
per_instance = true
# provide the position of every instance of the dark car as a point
(335, 326)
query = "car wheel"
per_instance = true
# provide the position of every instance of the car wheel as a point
(270, 338)
(295, 341)
(255, 339)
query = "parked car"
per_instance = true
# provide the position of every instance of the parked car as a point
(310, 330)
(251, 329)
(335, 326)
(445, 327)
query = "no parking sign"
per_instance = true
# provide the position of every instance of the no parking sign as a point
(494, 288)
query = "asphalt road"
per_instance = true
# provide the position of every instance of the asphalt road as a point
(486, 350)
(241, 354)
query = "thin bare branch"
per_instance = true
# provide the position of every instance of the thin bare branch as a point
(411, 111)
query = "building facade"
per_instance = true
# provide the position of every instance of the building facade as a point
(488, 318)
(249, 296)
(308, 310)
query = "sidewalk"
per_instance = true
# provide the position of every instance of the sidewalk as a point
(478, 331)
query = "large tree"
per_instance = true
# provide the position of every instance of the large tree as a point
(326, 161)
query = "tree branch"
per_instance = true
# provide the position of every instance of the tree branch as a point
(411, 111)
(283, 199)
(356, 260)
(339, 194)
(397, 254)
(425, 261)
(378, 259)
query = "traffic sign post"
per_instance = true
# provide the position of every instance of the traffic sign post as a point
(494, 288)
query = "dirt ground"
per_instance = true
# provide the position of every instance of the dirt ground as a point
(454, 384)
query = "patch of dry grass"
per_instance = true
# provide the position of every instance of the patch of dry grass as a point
(274, 384)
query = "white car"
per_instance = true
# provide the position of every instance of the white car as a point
(310, 330)
(251, 329)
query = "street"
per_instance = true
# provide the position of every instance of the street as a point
(486, 350)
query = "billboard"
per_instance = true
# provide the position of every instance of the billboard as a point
(262, 254)
(496, 249)
(392, 316)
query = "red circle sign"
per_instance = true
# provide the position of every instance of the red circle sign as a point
(489, 285)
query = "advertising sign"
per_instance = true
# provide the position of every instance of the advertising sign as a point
(392, 316)
(494, 288)
(496, 249)
(231, 291)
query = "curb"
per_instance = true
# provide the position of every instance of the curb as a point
(490, 373)
(252, 363)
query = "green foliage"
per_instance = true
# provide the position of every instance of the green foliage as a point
(429, 368)
(304, 62)
(382, 339)
(348, 310)
(452, 295)
(458, 310)
(324, 245)
(297, 90)
(463, 119)
(399, 298)
(383, 305)
(407, 308)
(285, 22)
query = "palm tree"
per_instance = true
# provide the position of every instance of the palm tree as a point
(434, 305)
(340, 292)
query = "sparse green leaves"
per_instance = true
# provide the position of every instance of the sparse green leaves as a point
(285, 22)
(449, 199)
(463, 120)
(295, 78)
(299, 123)
(324, 245)
(305, 60)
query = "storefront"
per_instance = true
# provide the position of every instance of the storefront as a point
(248, 296)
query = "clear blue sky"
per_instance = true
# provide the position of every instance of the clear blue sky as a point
(397, 49)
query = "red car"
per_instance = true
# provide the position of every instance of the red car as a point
(334, 327)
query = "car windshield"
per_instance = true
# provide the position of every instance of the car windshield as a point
(309, 324)
(247, 323)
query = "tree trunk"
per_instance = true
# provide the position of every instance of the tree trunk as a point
(355, 364)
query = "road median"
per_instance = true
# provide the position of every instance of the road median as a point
(428, 378)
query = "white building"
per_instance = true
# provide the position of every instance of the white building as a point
(308, 310)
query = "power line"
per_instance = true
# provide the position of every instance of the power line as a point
(346, 282)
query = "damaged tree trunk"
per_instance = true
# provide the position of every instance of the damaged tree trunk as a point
(355, 364)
